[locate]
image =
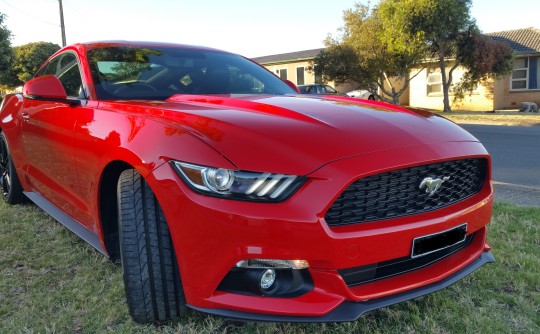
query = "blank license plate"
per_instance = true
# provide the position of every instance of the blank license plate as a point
(435, 242)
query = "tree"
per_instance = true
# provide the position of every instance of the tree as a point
(26, 61)
(362, 56)
(450, 36)
(484, 59)
(5, 47)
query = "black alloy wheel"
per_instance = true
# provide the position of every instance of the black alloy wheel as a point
(11, 188)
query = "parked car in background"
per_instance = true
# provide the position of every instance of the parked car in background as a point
(223, 190)
(317, 89)
(362, 94)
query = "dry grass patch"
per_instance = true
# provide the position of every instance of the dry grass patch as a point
(499, 117)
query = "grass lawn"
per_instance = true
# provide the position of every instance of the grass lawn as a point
(51, 282)
(499, 117)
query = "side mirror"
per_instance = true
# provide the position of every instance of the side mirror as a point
(47, 87)
(292, 85)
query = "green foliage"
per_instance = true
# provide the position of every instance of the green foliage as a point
(448, 31)
(363, 56)
(5, 46)
(26, 61)
(484, 59)
(436, 22)
(339, 63)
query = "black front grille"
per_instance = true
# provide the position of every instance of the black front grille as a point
(397, 193)
(381, 270)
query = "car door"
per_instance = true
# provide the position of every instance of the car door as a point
(49, 141)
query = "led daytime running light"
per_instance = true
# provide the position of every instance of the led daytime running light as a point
(237, 184)
(272, 264)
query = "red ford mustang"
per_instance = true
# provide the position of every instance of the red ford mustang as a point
(223, 190)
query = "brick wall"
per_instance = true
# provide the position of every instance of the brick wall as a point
(480, 100)
(507, 99)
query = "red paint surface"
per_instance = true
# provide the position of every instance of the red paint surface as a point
(61, 152)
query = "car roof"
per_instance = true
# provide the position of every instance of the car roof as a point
(119, 43)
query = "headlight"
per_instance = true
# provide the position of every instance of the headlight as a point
(239, 185)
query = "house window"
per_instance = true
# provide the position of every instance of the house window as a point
(434, 82)
(300, 76)
(526, 74)
(519, 75)
(282, 73)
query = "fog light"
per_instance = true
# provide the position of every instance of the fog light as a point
(267, 279)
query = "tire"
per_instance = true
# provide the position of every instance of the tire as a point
(12, 192)
(371, 97)
(151, 276)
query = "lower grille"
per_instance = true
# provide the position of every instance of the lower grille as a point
(398, 193)
(381, 270)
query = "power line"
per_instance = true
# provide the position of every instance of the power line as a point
(79, 13)
(25, 13)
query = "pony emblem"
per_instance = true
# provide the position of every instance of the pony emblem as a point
(433, 185)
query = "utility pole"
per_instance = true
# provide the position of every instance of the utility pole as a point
(62, 27)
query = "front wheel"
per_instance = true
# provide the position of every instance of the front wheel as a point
(151, 276)
(12, 192)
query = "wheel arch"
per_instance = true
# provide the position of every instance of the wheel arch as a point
(108, 206)
(135, 151)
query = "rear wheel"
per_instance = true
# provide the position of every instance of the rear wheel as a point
(371, 97)
(151, 275)
(12, 192)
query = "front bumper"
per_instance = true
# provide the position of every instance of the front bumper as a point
(210, 235)
(350, 311)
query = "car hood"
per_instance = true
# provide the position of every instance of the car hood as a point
(298, 134)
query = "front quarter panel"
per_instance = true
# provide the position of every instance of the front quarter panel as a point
(10, 125)
(107, 134)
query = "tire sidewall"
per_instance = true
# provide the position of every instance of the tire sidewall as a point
(15, 193)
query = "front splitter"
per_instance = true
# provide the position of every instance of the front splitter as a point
(350, 311)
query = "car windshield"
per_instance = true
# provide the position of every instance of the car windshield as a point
(148, 73)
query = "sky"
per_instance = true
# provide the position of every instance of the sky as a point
(248, 27)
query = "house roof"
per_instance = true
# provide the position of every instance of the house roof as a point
(523, 41)
(288, 57)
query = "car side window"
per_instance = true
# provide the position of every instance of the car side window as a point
(330, 90)
(66, 68)
(49, 69)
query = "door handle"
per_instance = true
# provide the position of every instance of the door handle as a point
(25, 116)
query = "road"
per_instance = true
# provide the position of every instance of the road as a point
(515, 152)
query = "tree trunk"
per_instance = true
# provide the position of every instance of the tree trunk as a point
(395, 97)
(445, 83)
(446, 98)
